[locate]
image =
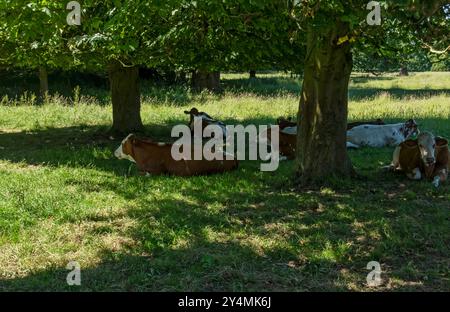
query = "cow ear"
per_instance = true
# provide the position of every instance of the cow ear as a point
(440, 141)
(187, 112)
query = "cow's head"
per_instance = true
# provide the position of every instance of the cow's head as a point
(410, 128)
(192, 112)
(427, 145)
(125, 149)
(284, 123)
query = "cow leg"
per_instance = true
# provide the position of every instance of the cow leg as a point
(436, 181)
(395, 164)
(440, 177)
(396, 159)
(415, 174)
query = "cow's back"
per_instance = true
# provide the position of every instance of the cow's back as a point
(374, 135)
(288, 144)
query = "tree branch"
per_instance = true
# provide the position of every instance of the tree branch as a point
(432, 50)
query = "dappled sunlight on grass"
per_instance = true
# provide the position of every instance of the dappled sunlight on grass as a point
(64, 197)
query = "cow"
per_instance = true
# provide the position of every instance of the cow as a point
(155, 158)
(288, 134)
(204, 119)
(287, 141)
(426, 157)
(352, 125)
(291, 126)
(381, 135)
(286, 123)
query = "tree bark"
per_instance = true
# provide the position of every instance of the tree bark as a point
(126, 98)
(202, 80)
(322, 119)
(43, 81)
(253, 74)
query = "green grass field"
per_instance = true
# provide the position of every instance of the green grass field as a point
(64, 197)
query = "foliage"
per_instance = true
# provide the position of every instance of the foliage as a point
(32, 33)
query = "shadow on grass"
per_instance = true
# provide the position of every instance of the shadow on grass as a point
(356, 93)
(264, 240)
(92, 86)
(80, 146)
(263, 86)
(246, 230)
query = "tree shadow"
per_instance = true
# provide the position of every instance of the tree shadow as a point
(365, 79)
(96, 87)
(357, 93)
(263, 86)
(268, 239)
(246, 230)
(92, 146)
(182, 245)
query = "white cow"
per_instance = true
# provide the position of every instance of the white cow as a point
(381, 135)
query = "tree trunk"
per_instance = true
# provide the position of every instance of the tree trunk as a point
(253, 74)
(125, 97)
(322, 119)
(43, 81)
(404, 71)
(205, 80)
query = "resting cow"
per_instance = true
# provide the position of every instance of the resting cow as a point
(287, 136)
(284, 123)
(156, 158)
(427, 157)
(204, 119)
(381, 135)
(352, 125)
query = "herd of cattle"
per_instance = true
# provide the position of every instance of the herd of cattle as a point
(426, 156)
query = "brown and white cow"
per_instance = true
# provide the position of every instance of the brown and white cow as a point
(287, 141)
(381, 135)
(204, 120)
(286, 123)
(427, 157)
(156, 158)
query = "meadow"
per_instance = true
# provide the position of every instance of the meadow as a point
(64, 197)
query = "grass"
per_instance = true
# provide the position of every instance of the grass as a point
(63, 197)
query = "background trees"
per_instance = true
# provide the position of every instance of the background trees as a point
(206, 37)
(334, 30)
(32, 36)
(322, 38)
